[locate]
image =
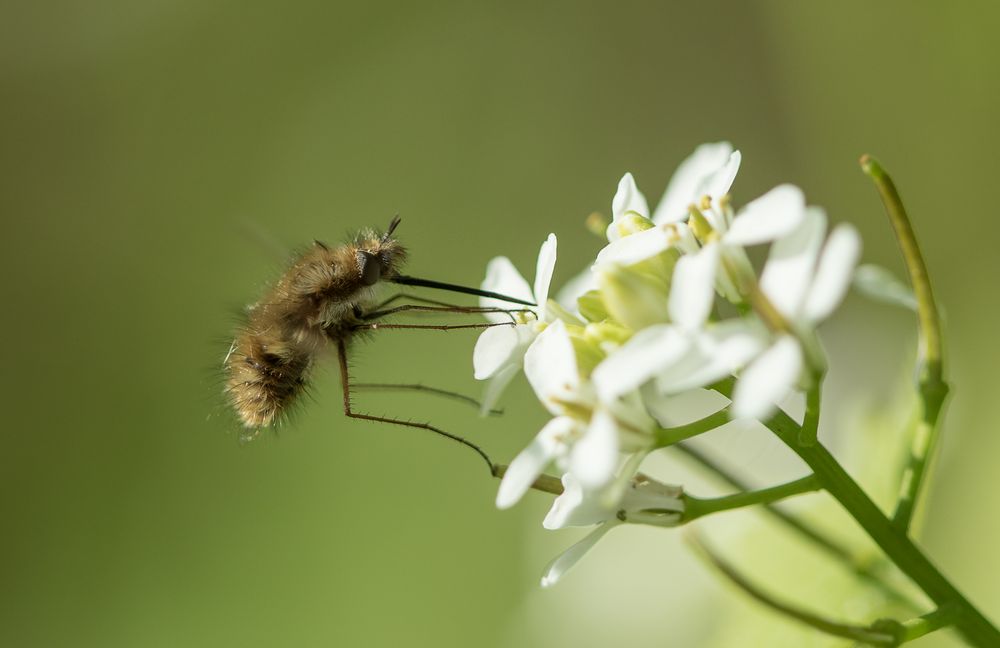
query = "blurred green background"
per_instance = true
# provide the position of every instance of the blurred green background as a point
(158, 158)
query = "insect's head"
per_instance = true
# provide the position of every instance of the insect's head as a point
(379, 256)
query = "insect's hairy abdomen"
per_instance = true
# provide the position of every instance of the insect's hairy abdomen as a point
(266, 376)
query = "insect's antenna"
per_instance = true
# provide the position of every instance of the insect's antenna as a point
(428, 283)
(393, 224)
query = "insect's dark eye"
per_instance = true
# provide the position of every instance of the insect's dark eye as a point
(370, 268)
(386, 259)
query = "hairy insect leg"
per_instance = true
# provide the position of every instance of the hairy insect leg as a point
(345, 381)
(416, 298)
(425, 389)
(378, 326)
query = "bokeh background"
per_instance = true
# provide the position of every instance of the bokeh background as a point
(158, 160)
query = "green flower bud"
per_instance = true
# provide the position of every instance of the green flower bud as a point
(607, 335)
(634, 298)
(591, 306)
(588, 352)
(630, 223)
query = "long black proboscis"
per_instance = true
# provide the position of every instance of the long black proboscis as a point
(427, 283)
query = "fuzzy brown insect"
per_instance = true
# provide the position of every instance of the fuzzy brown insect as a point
(327, 295)
(319, 299)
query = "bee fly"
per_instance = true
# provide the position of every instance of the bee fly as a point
(325, 298)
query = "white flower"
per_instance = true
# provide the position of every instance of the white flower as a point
(805, 280)
(709, 171)
(768, 218)
(689, 352)
(587, 447)
(586, 437)
(646, 500)
(499, 351)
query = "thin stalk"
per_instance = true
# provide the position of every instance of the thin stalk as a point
(928, 623)
(669, 436)
(696, 507)
(809, 434)
(855, 632)
(839, 552)
(931, 385)
(969, 621)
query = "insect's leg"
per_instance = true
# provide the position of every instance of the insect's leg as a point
(345, 381)
(378, 326)
(423, 388)
(416, 298)
(444, 309)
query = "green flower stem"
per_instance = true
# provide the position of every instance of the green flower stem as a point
(839, 552)
(928, 623)
(808, 435)
(872, 636)
(931, 385)
(544, 483)
(969, 621)
(695, 507)
(669, 436)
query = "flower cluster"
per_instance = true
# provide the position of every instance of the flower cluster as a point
(672, 305)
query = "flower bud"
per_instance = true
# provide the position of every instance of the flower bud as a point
(591, 306)
(634, 298)
(630, 223)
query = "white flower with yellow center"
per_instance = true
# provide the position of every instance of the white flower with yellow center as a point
(499, 351)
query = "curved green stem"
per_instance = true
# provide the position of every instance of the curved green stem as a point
(669, 436)
(928, 623)
(696, 507)
(872, 636)
(975, 627)
(930, 321)
(839, 552)
(932, 387)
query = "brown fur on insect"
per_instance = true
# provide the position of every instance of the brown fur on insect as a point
(318, 300)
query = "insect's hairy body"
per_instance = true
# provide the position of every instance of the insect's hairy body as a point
(316, 301)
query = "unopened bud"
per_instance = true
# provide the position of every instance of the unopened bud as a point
(634, 299)
(629, 223)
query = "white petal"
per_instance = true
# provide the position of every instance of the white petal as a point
(671, 410)
(653, 495)
(768, 379)
(721, 350)
(550, 364)
(692, 289)
(636, 247)
(494, 388)
(833, 274)
(499, 347)
(628, 198)
(575, 507)
(792, 262)
(775, 214)
(689, 179)
(502, 277)
(543, 271)
(594, 458)
(530, 463)
(879, 284)
(565, 561)
(718, 184)
(649, 352)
